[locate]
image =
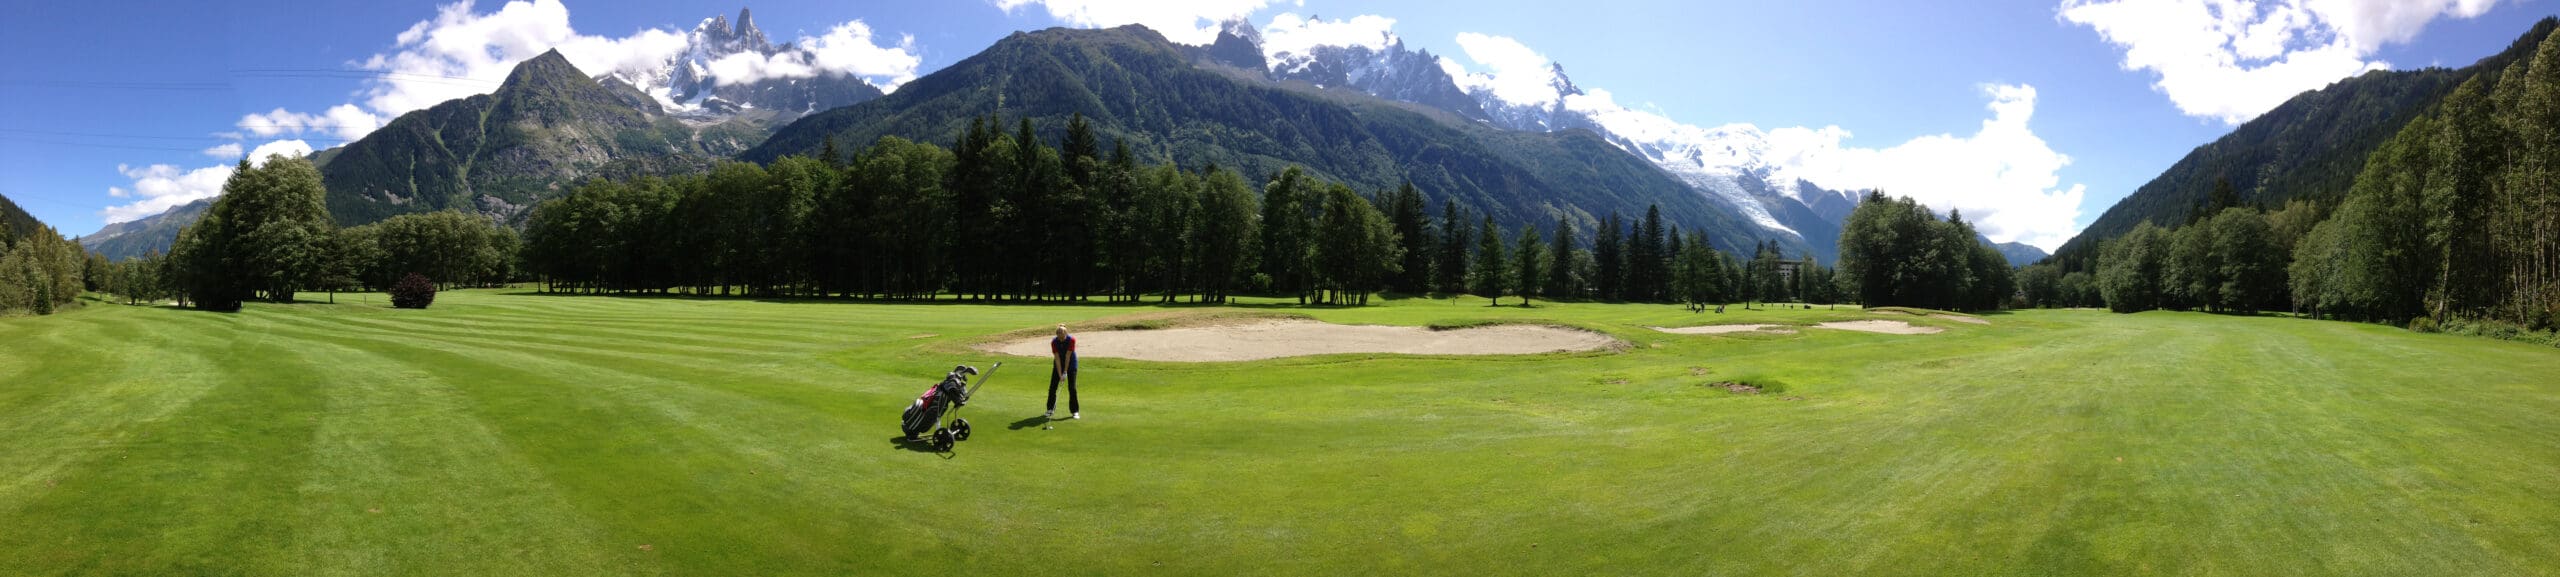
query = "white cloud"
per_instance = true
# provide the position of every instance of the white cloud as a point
(345, 121)
(462, 52)
(161, 187)
(1193, 22)
(1290, 33)
(288, 148)
(1516, 74)
(349, 122)
(280, 121)
(2003, 176)
(2232, 60)
(846, 49)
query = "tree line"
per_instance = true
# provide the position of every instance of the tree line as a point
(1004, 215)
(269, 237)
(40, 272)
(1896, 252)
(1001, 216)
(2453, 219)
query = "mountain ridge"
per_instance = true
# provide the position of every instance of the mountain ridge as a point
(1724, 164)
(2308, 148)
(1171, 102)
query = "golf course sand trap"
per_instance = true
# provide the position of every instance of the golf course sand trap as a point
(1715, 329)
(1293, 338)
(1886, 327)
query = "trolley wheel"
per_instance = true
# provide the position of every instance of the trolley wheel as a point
(942, 439)
(959, 429)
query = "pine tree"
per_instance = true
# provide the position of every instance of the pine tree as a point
(1648, 268)
(1412, 224)
(1491, 265)
(1286, 232)
(1455, 245)
(1560, 278)
(1610, 250)
(1530, 262)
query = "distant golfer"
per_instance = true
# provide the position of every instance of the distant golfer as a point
(1062, 365)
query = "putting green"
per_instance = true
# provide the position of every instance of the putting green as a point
(512, 433)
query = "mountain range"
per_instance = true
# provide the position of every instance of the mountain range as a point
(688, 85)
(2309, 148)
(146, 235)
(1373, 115)
(1729, 165)
(1192, 106)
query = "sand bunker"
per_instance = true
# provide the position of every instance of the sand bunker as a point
(1963, 319)
(1275, 339)
(1886, 327)
(1716, 329)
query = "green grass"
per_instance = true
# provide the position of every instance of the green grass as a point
(509, 433)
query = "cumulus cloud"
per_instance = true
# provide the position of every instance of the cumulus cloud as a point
(1515, 73)
(1290, 33)
(846, 49)
(2002, 176)
(463, 52)
(288, 148)
(224, 150)
(345, 121)
(1193, 22)
(2231, 60)
(160, 187)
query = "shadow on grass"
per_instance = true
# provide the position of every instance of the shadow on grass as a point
(1033, 421)
(1148, 303)
(920, 444)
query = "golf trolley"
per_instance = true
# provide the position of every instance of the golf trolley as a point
(945, 400)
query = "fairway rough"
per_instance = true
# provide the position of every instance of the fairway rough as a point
(1294, 338)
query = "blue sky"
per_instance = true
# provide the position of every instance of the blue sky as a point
(101, 100)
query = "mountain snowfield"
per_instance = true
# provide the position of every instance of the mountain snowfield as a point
(1737, 165)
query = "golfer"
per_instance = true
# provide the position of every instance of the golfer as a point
(1062, 365)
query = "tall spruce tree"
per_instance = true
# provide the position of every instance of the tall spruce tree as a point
(1455, 245)
(1610, 250)
(1492, 271)
(1530, 262)
(1560, 277)
(1409, 216)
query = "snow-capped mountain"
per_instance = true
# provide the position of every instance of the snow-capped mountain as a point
(692, 84)
(1731, 164)
(1383, 68)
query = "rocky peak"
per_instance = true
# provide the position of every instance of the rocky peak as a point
(1239, 45)
(747, 35)
(715, 30)
(541, 69)
(1563, 84)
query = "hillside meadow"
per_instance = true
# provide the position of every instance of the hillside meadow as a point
(517, 433)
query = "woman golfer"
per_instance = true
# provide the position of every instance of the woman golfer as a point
(1062, 365)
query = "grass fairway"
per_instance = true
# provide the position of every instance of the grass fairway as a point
(510, 433)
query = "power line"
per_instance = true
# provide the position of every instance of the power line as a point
(355, 73)
(120, 85)
(150, 136)
(122, 146)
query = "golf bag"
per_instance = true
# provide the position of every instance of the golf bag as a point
(942, 399)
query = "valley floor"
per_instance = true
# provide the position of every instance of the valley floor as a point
(514, 433)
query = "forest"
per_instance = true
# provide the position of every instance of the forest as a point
(1002, 215)
(2454, 221)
